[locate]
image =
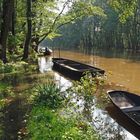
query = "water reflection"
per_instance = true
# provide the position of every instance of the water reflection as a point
(62, 82)
(122, 120)
(111, 53)
(108, 127)
(102, 121)
(45, 64)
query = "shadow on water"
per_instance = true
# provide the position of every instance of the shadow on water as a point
(16, 107)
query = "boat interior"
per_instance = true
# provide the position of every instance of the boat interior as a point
(122, 101)
(76, 65)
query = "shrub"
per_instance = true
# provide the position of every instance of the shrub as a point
(49, 94)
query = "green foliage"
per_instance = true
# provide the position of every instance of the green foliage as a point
(125, 9)
(48, 16)
(18, 67)
(49, 95)
(88, 85)
(49, 125)
(118, 30)
(48, 118)
(5, 93)
(15, 41)
(6, 68)
(44, 14)
(81, 9)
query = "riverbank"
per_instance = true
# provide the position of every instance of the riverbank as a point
(21, 86)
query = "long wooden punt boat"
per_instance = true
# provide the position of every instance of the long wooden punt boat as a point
(74, 69)
(128, 103)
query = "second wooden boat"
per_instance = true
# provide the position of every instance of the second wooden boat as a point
(128, 103)
(74, 69)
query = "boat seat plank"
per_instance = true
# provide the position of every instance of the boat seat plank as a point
(123, 101)
(69, 67)
(137, 108)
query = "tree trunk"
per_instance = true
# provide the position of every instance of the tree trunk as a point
(29, 30)
(8, 6)
(0, 15)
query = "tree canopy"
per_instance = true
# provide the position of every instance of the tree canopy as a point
(25, 24)
(119, 28)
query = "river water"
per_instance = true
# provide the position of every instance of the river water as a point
(109, 121)
(121, 74)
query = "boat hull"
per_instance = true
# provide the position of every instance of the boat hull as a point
(128, 103)
(73, 69)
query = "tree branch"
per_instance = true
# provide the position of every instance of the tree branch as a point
(53, 24)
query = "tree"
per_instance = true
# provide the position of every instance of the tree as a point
(50, 19)
(8, 6)
(29, 29)
(118, 30)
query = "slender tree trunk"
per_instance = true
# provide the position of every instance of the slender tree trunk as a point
(13, 22)
(12, 45)
(29, 30)
(0, 16)
(8, 6)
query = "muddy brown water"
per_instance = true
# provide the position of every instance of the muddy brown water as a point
(109, 121)
(122, 73)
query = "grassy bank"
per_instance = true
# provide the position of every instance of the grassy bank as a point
(53, 116)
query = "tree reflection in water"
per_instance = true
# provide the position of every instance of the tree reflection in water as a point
(45, 64)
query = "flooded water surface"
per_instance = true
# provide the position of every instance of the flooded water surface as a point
(110, 123)
(123, 73)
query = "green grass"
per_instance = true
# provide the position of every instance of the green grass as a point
(48, 121)
(46, 124)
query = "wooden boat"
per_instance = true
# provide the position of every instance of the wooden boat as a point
(128, 103)
(73, 69)
(45, 51)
